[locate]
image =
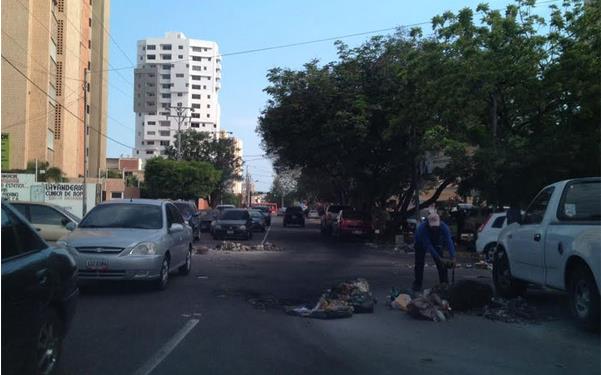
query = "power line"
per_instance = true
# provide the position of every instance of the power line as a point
(55, 102)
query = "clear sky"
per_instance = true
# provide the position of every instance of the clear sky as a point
(242, 25)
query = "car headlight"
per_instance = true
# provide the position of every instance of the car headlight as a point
(144, 248)
(243, 227)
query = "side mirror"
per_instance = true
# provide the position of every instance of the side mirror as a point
(176, 227)
(71, 226)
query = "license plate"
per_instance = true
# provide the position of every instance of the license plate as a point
(97, 264)
(230, 232)
(357, 232)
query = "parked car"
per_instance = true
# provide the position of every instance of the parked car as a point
(233, 223)
(51, 221)
(281, 211)
(206, 217)
(352, 223)
(222, 207)
(191, 216)
(313, 214)
(266, 213)
(556, 244)
(488, 233)
(39, 296)
(294, 216)
(330, 216)
(259, 224)
(132, 239)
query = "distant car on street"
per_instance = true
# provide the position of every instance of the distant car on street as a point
(330, 216)
(266, 213)
(51, 221)
(39, 296)
(259, 223)
(488, 233)
(353, 223)
(233, 223)
(313, 214)
(190, 214)
(294, 216)
(206, 217)
(131, 239)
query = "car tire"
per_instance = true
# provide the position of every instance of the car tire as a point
(489, 252)
(584, 298)
(161, 283)
(46, 354)
(186, 267)
(505, 285)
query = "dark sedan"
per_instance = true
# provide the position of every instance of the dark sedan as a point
(233, 223)
(39, 294)
(294, 216)
(266, 211)
(206, 219)
(258, 219)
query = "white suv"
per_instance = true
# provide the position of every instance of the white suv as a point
(488, 234)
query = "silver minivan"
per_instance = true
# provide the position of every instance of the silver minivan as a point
(131, 239)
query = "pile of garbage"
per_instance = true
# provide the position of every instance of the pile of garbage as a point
(515, 310)
(428, 305)
(340, 301)
(237, 246)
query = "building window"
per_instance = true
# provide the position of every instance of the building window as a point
(206, 49)
(167, 66)
(164, 133)
(196, 115)
(196, 58)
(90, 22)
(179, 75)
(165, 96)
(208, 115)
(179, 94)
(166, 85)
(208, 106)
(194, 105)
(151, 47)
(50, 139)
(165, 123)
(151, 133)
(164, 143)
(149, 152)
(195, 96)
(148, 142)
(166, 47)
(208, 96)
(195, 67)
(195, 78)
(151, 57)
(151, 123)
(209, 59)
(165, 76)
(195, 125)
(166, 57)
(196, 49)
(205, 68)
(204, 87)
(195, 87)
(204, 125)
(180, 56)
(117, 194)
(214, 125)
(180, 47)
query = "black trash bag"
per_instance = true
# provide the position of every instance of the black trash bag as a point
(469, 294)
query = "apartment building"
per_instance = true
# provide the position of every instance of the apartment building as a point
(46, 47)
(172, 72)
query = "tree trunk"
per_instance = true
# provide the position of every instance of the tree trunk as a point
(428, 202)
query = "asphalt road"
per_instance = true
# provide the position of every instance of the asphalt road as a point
(212, 321)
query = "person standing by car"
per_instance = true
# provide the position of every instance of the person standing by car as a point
(433, 236)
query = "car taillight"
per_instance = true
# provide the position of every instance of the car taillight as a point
(484, 224)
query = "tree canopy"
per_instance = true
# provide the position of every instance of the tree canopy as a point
(509, 100)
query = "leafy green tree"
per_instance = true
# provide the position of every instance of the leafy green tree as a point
(220, 152)
(174, 179)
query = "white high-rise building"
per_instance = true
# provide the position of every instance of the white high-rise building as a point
(174, 71)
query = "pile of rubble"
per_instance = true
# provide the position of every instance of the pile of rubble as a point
(428, 305)
(515, 310)
(237, 246)
(340, 301)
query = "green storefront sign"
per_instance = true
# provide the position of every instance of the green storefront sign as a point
(5, 152)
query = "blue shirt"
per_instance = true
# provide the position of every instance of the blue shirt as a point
(423, 240)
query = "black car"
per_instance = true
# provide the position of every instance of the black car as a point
(207, 217)
(191, 216)
(39, 295)
(266, 212)
(294, 216)
(258, 219)
(233, 223)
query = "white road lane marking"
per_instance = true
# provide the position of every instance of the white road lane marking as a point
(266, 234)
(166, 349)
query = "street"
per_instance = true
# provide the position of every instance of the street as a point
(222, 319)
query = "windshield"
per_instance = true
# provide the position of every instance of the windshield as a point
(294, 210)
(234, 215)
(135, 216)
(256, 214)
(184, 208)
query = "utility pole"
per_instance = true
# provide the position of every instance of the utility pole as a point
(180, 115)
(86, 140)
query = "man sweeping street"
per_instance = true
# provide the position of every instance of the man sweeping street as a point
(433, 236)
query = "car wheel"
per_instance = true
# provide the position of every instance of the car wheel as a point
(489, 251)
(186, 267)
(49, 345)
(161, 283)
(584, 297)
(505, 285)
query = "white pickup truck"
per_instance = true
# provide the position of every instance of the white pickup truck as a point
(557, 245)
